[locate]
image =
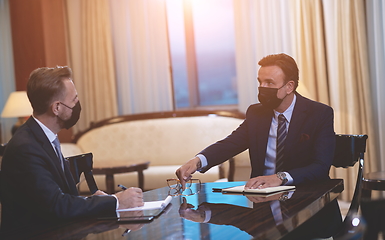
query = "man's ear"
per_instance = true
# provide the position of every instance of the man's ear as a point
(290, 85)
(55, 108)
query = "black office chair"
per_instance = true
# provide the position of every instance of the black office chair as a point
(2, 148)
(349, 150)
(83, 164)
(373, 212)
(372, 181)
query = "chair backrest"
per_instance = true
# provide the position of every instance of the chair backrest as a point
(373, 212)
(349, 148)
(2, 148)
(83, 164)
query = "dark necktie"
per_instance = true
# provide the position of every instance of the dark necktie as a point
(68, 176)
(56, 143)
(281, 136)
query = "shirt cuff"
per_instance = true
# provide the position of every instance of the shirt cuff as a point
(207, 213)
(117, 201)
(207, 216)
(203, 161)
(289, 179)
(117, 205)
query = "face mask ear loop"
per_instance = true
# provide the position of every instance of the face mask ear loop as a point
(283, 85)
(280, 88)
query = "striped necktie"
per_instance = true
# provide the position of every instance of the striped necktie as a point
(66, 170)
(281, 136)
(56, 143)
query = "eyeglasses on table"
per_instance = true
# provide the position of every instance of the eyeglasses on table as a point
(192, 186)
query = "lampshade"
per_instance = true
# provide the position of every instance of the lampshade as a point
(17, 105)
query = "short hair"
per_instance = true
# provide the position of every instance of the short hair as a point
(286, 63)
(46, 85)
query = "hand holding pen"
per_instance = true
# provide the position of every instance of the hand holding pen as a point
(124, 188)
(129, 197)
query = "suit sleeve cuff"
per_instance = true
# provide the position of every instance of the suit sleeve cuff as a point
(203, 161)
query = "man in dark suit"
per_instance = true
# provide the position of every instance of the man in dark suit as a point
(37, 186)
(306, 147)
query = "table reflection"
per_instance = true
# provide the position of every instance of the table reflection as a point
(74, 230)
(263, 213)
(212, 215)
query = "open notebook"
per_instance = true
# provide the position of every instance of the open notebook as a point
(147, 212)
(150, 205)
(263, 191)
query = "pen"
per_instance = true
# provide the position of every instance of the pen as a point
(122, 187)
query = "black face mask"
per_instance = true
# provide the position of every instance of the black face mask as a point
(268, 97)
(74, 116)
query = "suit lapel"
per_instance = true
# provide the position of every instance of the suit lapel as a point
(70, 180)
(262, 133)
(47, 146)
(298, 118)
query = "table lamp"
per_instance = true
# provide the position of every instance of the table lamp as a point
(18, 106)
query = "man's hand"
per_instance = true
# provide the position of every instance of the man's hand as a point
(132, 197)
(185, 171)
(263, 182)
(186, 211)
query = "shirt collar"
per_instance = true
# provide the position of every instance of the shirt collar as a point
(288, 112)
(50, 135)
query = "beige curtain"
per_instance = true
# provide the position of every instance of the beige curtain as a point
(375, 12)
(140, 40)
(349, 82)
(309, 48)
(91, 59)
(261, 28)
(246, 64)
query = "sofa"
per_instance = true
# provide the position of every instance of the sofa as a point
(164, 139)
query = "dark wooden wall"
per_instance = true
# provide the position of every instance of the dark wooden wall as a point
(39, 39)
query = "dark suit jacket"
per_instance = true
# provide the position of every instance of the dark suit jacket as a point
(309, 145)
(33, 186)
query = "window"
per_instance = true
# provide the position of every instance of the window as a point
(201, 36)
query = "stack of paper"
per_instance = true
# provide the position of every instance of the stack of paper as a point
(150, 205)
(241, 189)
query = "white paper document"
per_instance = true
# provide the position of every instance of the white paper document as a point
(150, 205)
(241, 189)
